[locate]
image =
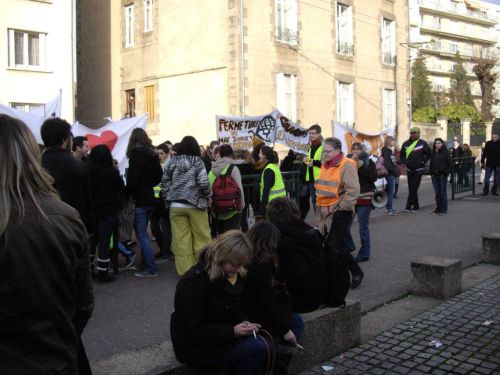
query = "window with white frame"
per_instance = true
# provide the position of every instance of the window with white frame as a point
(129, 25)
(286, 21)
(148, 15)
(26, 107)
(389, 106)
(345, 103)
(27, 49)
(453, 47)
(344, 41)
(286, 96)
(388, 41)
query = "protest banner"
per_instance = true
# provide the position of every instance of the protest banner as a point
(35, 118)
(348, 136)
(115, 135)
(272, 128)
(372, 142)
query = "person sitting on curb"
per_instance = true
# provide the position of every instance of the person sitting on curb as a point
(207, 326)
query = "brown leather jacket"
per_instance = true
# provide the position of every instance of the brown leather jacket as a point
(45, 290)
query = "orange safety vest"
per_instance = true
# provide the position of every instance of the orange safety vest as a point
(328, 183)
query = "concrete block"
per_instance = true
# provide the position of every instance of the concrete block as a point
(327, 332)
(491, 248)
(436, 277)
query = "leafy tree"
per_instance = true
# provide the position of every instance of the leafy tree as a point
(459, 84)
(424, 114)
(421, 88)
(457, 112)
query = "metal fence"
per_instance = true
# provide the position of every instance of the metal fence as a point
(463, 177)
(251, 186)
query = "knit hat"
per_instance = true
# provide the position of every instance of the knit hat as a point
(256, 141)
(415, 129)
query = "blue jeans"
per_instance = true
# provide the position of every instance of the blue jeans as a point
(363, 213)
(496, 180)
(297, 326)
(249, 357)
(391, 185)
(142, 216)
(439, 184)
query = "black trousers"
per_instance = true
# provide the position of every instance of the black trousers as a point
(225, 225)
(414, 179)
(339, 259)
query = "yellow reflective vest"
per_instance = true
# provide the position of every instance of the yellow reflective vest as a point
(278, 189)
(317, 156)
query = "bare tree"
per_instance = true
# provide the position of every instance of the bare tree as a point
(484, 68)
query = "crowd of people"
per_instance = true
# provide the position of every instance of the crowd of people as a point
(243, 285)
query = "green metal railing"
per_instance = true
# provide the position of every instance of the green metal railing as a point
(292, 180)
(463, 177)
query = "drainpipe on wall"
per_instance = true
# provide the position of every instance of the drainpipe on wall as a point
(242, 62)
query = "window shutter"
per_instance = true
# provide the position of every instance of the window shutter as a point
(42, 48)
(338, 112)
(350, 38)
(12, 49)
(280, 92)
(293, 104)
(384, 107)
(292, 14)
(393, 122)
(351, 104)
(393, 38)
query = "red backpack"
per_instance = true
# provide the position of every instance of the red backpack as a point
(226, 194)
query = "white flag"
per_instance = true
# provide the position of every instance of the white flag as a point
(35, 118)
(115, 135)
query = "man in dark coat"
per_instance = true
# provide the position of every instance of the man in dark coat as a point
(491, 160)
(70, 175)
(414, 154)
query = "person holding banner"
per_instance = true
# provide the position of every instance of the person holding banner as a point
(415, 152)
(144, 173)
(271, 181)
(313, 163)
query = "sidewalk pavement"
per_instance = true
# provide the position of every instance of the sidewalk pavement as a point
(460, 336)
(132, 313)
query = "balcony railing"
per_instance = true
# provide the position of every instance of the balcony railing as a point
(288, 36)
(484, 35)
(447, 48)
(452, 8)
(345, 48)
(389, 58)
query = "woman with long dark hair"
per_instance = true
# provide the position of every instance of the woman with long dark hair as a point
(46, 288)
(106, 186)
(143, 174)
(440, 167)
(186, 191)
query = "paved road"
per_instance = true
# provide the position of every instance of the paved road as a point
(134, 313)
(467, 328)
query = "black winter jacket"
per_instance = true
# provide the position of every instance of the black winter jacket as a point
(143, 174)
(45, 290)
(491, 154)
(418, 157)
(301, 265)
(205, 313)
(389, 161)
(107, 189)
(259, 300)
(71, 181)
(367, 175)
(441, 163)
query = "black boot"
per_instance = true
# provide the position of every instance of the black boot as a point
(104, 277)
